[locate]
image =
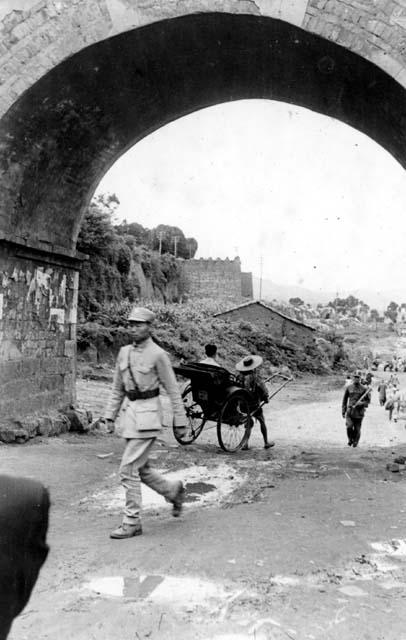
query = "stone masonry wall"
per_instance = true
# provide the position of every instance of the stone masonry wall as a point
(375, 29)
(247, 287)
(38, 304)
(219, 279)
(36, 35)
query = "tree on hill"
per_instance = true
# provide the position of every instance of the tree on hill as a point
(296, 302)
(392, 311)
(350, 306)
(96, 232)
(142, 235)
(167, 239)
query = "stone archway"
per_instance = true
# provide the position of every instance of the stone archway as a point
(63, 133)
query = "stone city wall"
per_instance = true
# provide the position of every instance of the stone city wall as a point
(208, 278)
(247, 287)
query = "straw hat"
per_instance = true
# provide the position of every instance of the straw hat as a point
(249, 363)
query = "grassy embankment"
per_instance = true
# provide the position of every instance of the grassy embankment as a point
(184, 329)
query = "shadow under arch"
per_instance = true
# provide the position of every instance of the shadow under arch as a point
(64, 133)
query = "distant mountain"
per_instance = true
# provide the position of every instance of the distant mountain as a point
(375, 299)
(281, 292)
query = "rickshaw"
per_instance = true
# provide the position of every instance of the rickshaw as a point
(215, 395)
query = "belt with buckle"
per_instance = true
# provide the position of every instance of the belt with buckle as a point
(136, 394)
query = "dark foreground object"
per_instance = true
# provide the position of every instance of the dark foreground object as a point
(24, 506)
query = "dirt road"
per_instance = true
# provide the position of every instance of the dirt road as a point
(304, 541)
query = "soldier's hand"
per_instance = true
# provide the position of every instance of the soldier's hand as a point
(109, 424)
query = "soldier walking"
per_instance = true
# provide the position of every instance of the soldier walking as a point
(134, 403)
(356, 399)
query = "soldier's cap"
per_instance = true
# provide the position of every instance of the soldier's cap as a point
(249, 363)
(141, 314)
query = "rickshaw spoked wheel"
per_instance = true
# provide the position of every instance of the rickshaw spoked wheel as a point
(234, 422)
(195, 418)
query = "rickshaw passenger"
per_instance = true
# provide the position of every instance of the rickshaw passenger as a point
(250, 379)
(211, 352)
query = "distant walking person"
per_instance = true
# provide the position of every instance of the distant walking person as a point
(392, 403)
(211, 352)
(356, 399)
(250, 380)
(382, 393)
(141, 368)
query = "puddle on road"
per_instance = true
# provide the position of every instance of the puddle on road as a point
(183, 592)
(203, 485)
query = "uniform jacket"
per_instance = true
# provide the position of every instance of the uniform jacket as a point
(151, 368)
(351, 396)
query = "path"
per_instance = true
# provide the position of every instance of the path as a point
(306, 540)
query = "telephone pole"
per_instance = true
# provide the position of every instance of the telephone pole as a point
(160, 242)
(175, 245)
(260, 277)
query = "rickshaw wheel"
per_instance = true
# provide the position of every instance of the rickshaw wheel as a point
(233, 422)
(195, 418)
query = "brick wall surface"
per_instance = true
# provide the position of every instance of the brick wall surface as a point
(220, 279)
(37, 335)
(247, 288)
(278, 326)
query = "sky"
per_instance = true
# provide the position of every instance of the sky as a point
(322, 204)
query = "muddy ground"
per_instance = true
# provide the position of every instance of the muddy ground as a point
(304, 541)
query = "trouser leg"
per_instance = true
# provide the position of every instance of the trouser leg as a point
(262, 425)
(248, 432)
(350, 428)
(357, 431)
(135, 455)
(130, 480)
(154, 480)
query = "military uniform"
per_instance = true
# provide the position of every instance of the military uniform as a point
(354, 414)
(140, 370)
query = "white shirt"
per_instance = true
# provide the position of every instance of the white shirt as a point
(210, 361)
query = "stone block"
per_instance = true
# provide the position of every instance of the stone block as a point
(392, 466)
(60, 424)
(7, 434)
(30, 425)
(79, 419)
(44, 426)
(21, 436)
(21, 30)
